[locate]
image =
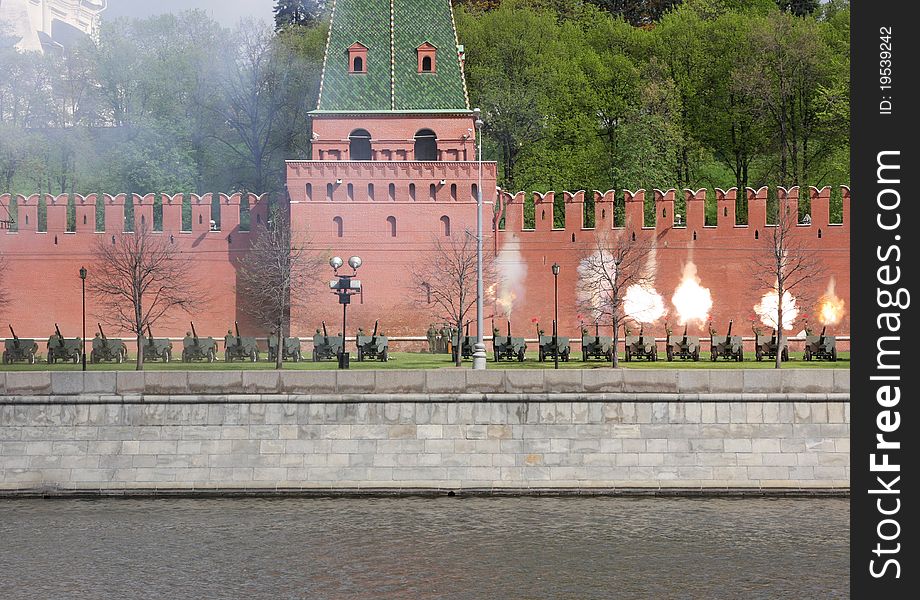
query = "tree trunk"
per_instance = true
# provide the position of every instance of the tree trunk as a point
(139, 364)
(279, 348)
(458, 345)
(614, 359)
(779, 326)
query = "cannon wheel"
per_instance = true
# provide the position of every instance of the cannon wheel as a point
(696, 355)
(385, 355)
(655, 354)
(834, 354)
(520, 355)
(32, 358)
(212, 355)
(167, 355)
(297, 355)
(120, 357)
(76, 357)
(785, 355)
(714, 356)
(253, 356)
(565, 355)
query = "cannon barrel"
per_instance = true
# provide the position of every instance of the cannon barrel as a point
(102, 333)
(684, 341)
(194, 333)
(374, 335)
(149, 334)
(326, 334)
(15, 337)
(537, 325)
(597, 330)
(509, 329)
(823, 331)
(468, 328)
(57, 330)
(236, 325)
(728, 333)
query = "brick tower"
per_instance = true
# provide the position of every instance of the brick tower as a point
(393, 164)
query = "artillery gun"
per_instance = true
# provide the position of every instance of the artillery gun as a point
(640, 347)
(686, 347)
(595, 346)
(551, 347)
(726, 346)
(507, 347)
(464, 344)
(237, 347)
(60, 348)
(18, 349)
(326, 346)
(290, 348)
(155, 349)
(196, 348)
(820, 346)
(106, 349)
(372, 346)
(766, 345)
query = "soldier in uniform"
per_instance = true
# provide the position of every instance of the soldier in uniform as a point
(229, 339)
(432, 336)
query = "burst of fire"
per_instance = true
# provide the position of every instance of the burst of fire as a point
(643, 304)
(830, 308)
(512, 270)
(691, 300)
(768, 308)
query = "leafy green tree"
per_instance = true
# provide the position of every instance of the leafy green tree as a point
(799, 8)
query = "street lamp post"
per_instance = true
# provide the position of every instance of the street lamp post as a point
(556, 312)
(345, 287)
(83, 293)
(479, 352)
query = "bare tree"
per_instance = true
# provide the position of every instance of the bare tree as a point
(618, 262)
(138, 277)
(445, 285)
(786, 262)
(272, 275)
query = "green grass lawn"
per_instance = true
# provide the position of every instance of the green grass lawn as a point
(416, 360)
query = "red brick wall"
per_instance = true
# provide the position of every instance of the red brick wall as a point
(393, 136)
(42, 283)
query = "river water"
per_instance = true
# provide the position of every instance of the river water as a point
(413, 548)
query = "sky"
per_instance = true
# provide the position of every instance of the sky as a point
(225, 12)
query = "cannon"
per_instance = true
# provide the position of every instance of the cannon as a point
(726, 346)
(196, 348)
(686, 347)
(17, 349)
(326, 346)
(464, 344)
(106, 349)
(60, 348)
(155, 349)
(641, 347)
(766, 345)
(237, 347)
(505, 346)
(551, 347)
(372, 346)
(290, 348)
(595, 346)
(822, 346)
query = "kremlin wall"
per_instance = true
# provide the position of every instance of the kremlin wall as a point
(392, 232)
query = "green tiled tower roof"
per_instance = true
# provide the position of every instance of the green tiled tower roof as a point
(392, 31)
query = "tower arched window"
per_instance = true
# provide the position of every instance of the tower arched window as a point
(427, 58)
(445, 225)
(391, 222)
(426, 145)
(338, 226)
(357, 58)
(359, 145)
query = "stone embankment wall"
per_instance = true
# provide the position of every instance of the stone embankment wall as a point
(444, 430)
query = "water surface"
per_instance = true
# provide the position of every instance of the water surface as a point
(489, 548)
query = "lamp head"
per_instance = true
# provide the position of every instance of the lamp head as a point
(354, 262)
(555, 268)
(335, 262)
(82, 272)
